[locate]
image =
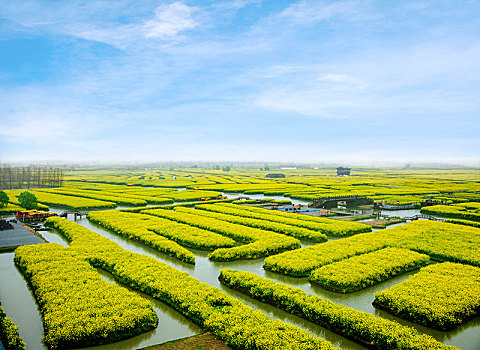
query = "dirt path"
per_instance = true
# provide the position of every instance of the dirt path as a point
(204, 341)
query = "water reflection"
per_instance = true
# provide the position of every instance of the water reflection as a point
(465, 337)
(135, 246)
(262, 196)
(171, 324)
(20, 304)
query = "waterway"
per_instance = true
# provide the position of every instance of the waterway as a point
(20, 305)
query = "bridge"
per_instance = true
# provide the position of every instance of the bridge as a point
(398, 207)
(332, 202)
(412, 218)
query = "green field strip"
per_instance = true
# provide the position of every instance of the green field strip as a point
(227, 318)
(132, 226)
(327, 226)
(441, 241)
(78, 307)
(441, 296)
(217, 212)
(362, 271)
(186, 235)
(362, 327)
(58, 200)
(97, 195)
(9, 333)
(260, 243)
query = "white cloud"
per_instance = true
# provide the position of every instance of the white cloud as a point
(170, 20)
(420, 79)
(102, 21)
(235, 4)
(305, 12)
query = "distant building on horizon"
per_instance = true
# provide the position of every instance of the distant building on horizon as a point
(275, 176)
(341, 171)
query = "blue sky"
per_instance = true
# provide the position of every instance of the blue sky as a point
(297, 81)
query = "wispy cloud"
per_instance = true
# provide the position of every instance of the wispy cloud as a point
(306, 12)
(425, 79)
(235, 4)
(170, 20)
(178, 73)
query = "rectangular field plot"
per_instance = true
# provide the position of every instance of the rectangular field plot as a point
(366, 270)
(362, 327)
(227, 318)
(161, 234)
(259, 243)
(441, 241)
(100, 195)
(59, 200)
(461, 211)
(440, 296)
(220, 213)
(325, 226)
(79, 308)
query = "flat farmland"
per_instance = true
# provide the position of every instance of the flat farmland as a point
(255, 278)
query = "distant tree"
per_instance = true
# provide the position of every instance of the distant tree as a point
(217, 167)
(226, 168)
(195, 166)
(3, 199)
(28, 200)
(267, 168)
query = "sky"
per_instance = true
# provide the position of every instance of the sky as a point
(239, 80)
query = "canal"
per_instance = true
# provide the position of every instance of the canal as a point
(20, 305)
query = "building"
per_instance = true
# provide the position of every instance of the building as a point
(275, 176)
(341, 171)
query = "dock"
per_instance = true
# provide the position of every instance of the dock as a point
(19, 235)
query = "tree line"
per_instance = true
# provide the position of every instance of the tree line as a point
(29, 177)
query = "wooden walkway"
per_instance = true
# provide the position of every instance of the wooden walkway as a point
(414, 217)
(332, 202)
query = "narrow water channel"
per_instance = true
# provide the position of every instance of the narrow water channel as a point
(20, 305)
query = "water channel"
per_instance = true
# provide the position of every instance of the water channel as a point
(20, 305)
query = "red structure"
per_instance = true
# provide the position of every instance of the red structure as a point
(34, 215)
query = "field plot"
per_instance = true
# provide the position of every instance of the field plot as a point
(12, 198)
(365, 328)
(9, 332)
(100, 195)
(11, 209)
(463, 222)
(140, 227)
(226, 317)
(192, 195)
(138, 197)
(441, 296)
(260, 243)
(170, 256)
(183, 234)
(79, 308)
(307, 259)
(461, 211)
(325, 226)
(441, 241)
(365, 270)
(218, 212)
(63, 201)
